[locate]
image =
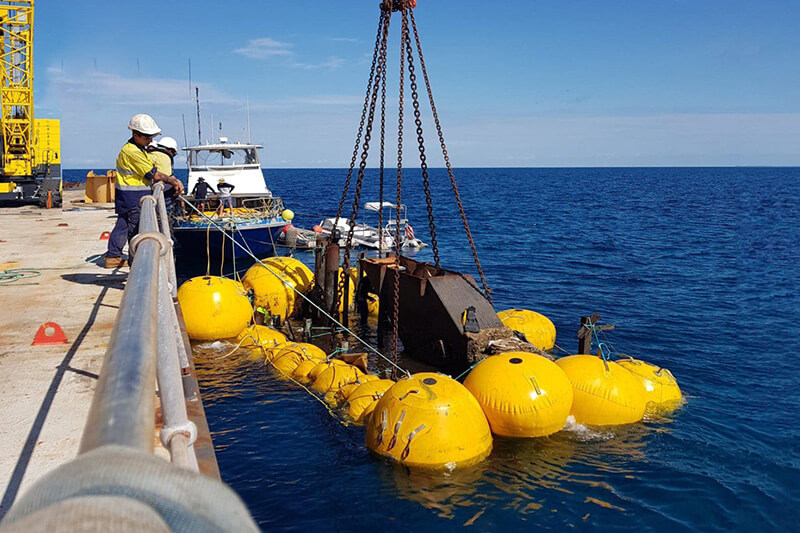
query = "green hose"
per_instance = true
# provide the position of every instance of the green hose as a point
(15, 275)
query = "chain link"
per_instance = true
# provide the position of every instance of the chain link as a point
(412, 76)
(345, 275)
(361, 124)
(400, 125)
(487, 291)
(382, 161)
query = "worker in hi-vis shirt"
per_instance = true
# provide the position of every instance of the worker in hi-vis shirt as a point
(163, 153)
(135, 174)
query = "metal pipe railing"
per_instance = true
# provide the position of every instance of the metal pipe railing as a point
(146, 347)
(123, 405)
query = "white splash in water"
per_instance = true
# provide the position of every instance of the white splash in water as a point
(586, 433)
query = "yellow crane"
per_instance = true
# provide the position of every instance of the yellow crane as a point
(30, 148)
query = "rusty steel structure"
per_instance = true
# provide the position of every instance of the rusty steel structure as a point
(459, 287)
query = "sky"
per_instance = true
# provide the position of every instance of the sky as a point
(518, 83)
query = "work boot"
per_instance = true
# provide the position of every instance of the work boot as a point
(115, 262)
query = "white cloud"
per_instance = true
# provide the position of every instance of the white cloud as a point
(110, 89)
(333, 62)
(344, 39)
(265, 47)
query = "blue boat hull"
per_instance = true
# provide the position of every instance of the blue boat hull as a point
(196, 243)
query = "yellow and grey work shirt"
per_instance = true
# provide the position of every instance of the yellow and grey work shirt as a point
(135, 169)
(162, 161)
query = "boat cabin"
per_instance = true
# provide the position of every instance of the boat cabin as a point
(236, 163)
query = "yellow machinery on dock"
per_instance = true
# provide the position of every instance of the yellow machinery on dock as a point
(30, 149)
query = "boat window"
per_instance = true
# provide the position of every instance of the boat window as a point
(223, 157)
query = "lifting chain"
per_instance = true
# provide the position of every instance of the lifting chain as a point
(412, 76)
(454, 185)
(401, 113)
(382, 161)
(375, 87)
(377, 77)
(387, 6)
(346, 190)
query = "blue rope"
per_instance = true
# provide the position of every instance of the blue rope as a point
(467, 371)
(606, 349)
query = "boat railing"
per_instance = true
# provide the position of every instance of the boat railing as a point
(147, 350)
(272, 206)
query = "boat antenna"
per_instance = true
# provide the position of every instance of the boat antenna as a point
(249, 132)
(185, 138)
(199, 128)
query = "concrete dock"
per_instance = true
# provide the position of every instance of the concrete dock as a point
(46, 391)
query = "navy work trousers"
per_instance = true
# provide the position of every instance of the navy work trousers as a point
(126, 205)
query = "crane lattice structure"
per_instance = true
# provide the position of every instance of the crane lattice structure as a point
(16, 86)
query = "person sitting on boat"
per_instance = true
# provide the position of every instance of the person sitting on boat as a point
(225, 198)
(200, 192)
(135, 174)
(163, 153)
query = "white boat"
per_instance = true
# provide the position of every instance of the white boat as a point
(236, 163)
(405, 232)
(363, 235)
(366, 236)
(256, 222)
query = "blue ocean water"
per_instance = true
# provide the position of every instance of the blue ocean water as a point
(699, 269)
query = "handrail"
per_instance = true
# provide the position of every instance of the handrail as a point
(116, 460)
(145, 348)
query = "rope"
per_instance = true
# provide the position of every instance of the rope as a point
(13, 275)
(561, 349)
(7, 277)
(237, 348)
(318, 308)
(467, 371)
(607, 350)
(208, 250)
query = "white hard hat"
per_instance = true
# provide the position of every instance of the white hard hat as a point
(144, 124)
(168, 142)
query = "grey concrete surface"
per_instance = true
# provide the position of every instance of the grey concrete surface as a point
(45, 391)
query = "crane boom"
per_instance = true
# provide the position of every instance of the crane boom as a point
(16, 86)
(30, 159)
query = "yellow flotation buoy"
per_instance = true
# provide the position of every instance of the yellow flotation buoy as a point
(373, 305)
(537, 328)
(364, 398)
(303, 349)
(660, 387)
(299, 274)
(301, 372)
(214, 308)
(286, 358)
(429, 420)
(522, 394)
(272, 291)
(334, 378)
(256, 336)
(344, 393)
(604, 393)
(322, 367)
(287, 215)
